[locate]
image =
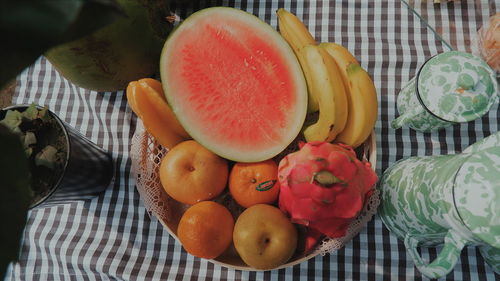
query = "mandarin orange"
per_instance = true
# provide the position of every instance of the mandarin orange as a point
(206, 229)
(254, 183)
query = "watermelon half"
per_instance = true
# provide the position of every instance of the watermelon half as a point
(234, 84)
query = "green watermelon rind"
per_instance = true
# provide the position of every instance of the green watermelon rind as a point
(295, 70)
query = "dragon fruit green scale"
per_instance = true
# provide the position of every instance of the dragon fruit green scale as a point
(324, 186)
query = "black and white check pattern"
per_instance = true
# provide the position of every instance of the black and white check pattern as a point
(112, 238)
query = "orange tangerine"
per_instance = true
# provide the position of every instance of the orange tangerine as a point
(206, 229)
(254, 183)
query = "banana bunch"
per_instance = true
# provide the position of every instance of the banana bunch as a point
(338, 87)
(361, 96)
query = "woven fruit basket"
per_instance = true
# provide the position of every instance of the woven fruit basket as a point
(146, 156)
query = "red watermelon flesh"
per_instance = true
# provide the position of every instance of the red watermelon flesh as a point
(234, 84)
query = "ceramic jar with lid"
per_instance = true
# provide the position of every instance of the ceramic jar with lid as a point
(449, 88)
(449, 200)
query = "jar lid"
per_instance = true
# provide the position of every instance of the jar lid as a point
(477, 195)
(457, 86)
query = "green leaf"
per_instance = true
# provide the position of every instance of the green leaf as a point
(44, 114)
(31, 27)
(157, 11)
(28, 151)
(47, 157)
(31, 112)
(12, 119)
(16, 196)
(29, 139)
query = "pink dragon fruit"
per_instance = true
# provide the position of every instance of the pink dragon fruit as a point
(324, 186)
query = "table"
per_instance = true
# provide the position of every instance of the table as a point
(112, 237)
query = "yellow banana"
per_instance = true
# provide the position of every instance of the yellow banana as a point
(293, 30)
(297, 36)
(363, 107)
(361, 96)
(341, 55)
(340, 95)
(325, 82)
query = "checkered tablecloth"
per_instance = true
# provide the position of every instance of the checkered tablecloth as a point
(113, 238)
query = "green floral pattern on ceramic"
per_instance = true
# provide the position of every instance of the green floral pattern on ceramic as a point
(416, 196)
(490, 141)
(413, 114)
(477, 195)
(447, 258)
(450, 199)
(491, 256)
(452, 87)
(457, 86)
